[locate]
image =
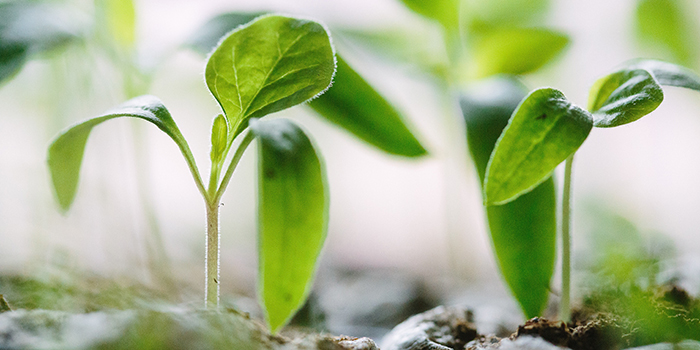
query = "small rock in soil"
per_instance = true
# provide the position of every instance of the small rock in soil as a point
(442, 328)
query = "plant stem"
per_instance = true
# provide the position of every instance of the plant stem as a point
(212, 266)
(564, 306)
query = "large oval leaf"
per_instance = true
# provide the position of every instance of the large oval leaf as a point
(357, 107)
(668, 74)
(523, 232)
(293, 216)
(669, 25)
(544, 130)
(66, 151)
(515, 50)
(272, 63)
(623, 97)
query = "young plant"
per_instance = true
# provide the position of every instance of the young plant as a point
(268, 65)
(546, 130)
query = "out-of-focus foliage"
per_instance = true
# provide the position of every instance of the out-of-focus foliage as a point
(523, 232)
(204, 39)
(444, 11)
(514, 50)
(668, 25)
(120, 21)
(353, 104)
(623, 266)
(29, 28)
(480, 14)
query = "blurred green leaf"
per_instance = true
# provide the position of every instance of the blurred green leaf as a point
(120, 16)
(668, 73)
(66, 150)
(623, 97)
(668, 24)
(499, 13)
(356, 106)
(28, 28)
(544, 130)
(271, 64)
(515, 50)
(444, 11)
(523, 232)
(206, 37)
(293, 216)
(219, 139)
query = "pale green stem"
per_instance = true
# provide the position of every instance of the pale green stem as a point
(213, 197)
(247, 139)
(212, 266)
(564, 306)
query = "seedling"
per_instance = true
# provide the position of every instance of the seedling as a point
(268, 65)
(546, 129)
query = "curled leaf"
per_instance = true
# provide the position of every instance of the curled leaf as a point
(623, 97)
(66, 151)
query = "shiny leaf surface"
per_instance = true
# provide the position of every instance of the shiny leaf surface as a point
(623, 97)
(544, 130)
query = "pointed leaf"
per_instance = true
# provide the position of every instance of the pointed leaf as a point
(272, 63)
(293, 216)
(667, 24)
(66, 150)
(523, 232)
(357, 107)
(444, 11)
(515, 50)
(623, 97)
(544, 130)
(206, 37)
(668, 74)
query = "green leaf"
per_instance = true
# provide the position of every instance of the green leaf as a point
(667, 24)
(29, 28)
(206, 37)
(268, 65)
(67, 149)
(623, 97)
(120, 17)
(544, 130)
(668, 73)
(356, 106)
(523, 232)
(515, 50)
(293, 216)
(500, 13)
(444, 11)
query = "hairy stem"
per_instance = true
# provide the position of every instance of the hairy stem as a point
(212, 266)
(564, 306)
